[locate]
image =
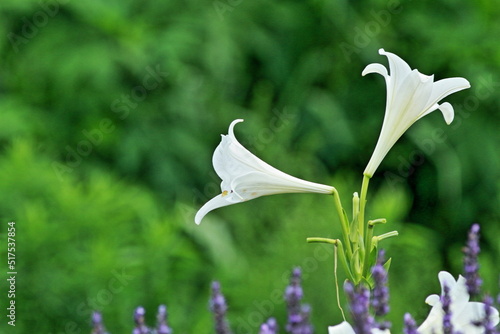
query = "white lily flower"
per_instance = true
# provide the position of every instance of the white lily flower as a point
(463, 312)
(410, 96)
(345, 328)
(245, 177)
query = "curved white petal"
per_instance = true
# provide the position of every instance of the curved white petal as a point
(345, 328)
(217, 202)
(459, 293)
(342, 328)
(375, 68)
(434, 321)
(432, 300)
(398, 69)
(443, 88)
(446, 279)
(472, 312)
(447, 111)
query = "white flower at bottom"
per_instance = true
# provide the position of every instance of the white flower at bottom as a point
(463, 312)
(245, 177)
(345, 328)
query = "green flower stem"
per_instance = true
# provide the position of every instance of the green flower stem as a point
(387, 235)
(362, 204)
(340, 249)
(377, 221)
(344, 260)
(368, 245)
(369, 236)
(322, 240)
(361, 225)
(343, 222)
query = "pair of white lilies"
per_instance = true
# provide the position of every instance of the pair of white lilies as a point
(410, 96)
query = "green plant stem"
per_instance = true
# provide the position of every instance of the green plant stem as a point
(322, 240)
(338, 245)
(361, 225)
(343, 222)
(362, 204)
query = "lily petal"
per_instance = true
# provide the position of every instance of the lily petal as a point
(342, 328)
(470, 313)
(345, 328)
(375, 68)
(443, 88)
(256, 184)
(447, 111)
(217, 202)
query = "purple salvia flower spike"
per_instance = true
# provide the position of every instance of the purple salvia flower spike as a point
(218, 307)
(305, 326)
(293, 296)
(97, 324)
(471, 264)
(269, 327)
(272, 324)
(140, 326)
(359, 302)
(264, 329)
(162, 327)
(380, 299)
(410, 326)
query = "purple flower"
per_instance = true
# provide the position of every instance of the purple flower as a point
(97, 324)
(410, 327)
(359, 301)
(140, 326)
(162, 327)
(218, 307)
(298, 315)
(380, 299)
(305, 326)
(471, 264)
(293, 295)
(269, 327)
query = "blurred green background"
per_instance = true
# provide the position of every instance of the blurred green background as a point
(110, 112)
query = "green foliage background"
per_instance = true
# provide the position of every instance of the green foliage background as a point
(110, 112)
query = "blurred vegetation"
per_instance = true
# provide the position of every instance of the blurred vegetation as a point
(110, 112)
